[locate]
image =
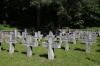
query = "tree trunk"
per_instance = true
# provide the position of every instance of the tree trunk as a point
(60, 23)
(38, 17)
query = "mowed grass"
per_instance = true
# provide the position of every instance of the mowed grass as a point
(75, 56)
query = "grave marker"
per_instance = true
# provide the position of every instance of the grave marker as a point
(12, 41)
(39, 35)
(29, 43)
(64, 38)
(70, 37)
(67, 44)
(15, 31)
(50, 35)
(88, 39)
(51, 45)
(87, 43)
(1, 39)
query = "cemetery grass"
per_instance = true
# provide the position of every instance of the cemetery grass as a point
(75, 56)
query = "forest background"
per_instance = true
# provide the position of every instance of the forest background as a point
(50, 14)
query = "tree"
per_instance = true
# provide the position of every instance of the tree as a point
(91, 12)
(39, 4)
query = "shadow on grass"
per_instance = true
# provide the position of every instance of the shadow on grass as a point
(57, 41)
(98, 40)
(82, 43)
(98, 45)
(39, 45)
(79, 49)
(63, 48)
(97, 50)
(20, 43)
(2, 49)
(14, 51)
(91, 59)
(26, 53)
(23, 52)
(44, 55)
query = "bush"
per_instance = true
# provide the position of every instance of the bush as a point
(5, 26)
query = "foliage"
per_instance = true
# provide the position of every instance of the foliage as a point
(39, 13)
(5, 26)
(93, 28)
(50, 26)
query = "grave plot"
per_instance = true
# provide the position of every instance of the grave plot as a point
(88, 39)
(11, 41)
(70, 37)
(27, 41)
(64, 38)
(92, 37)
(51, 45)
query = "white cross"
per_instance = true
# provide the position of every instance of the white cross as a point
(50, 44)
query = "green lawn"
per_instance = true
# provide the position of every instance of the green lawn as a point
(76, 56)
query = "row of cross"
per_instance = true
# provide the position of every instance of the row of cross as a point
(27, 40)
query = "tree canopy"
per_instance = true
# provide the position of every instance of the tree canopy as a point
(50, 13)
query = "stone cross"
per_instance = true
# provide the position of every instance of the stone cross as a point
(39, 36)
(12, 40)
(77, 33)
(84, 38)
(23, 36)
(36, 36)
(50, 45)
(50, 35)
(92, 37)
(67, 44)
(29, 43)
(25, 32)
(60, 37)
(87, 43)
(87, 39)
(19, 35)
(15, 31)
(63, 32)
(64, 38)
(1, 38)
(71, 37)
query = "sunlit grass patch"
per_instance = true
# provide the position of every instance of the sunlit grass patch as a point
(75, 56)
